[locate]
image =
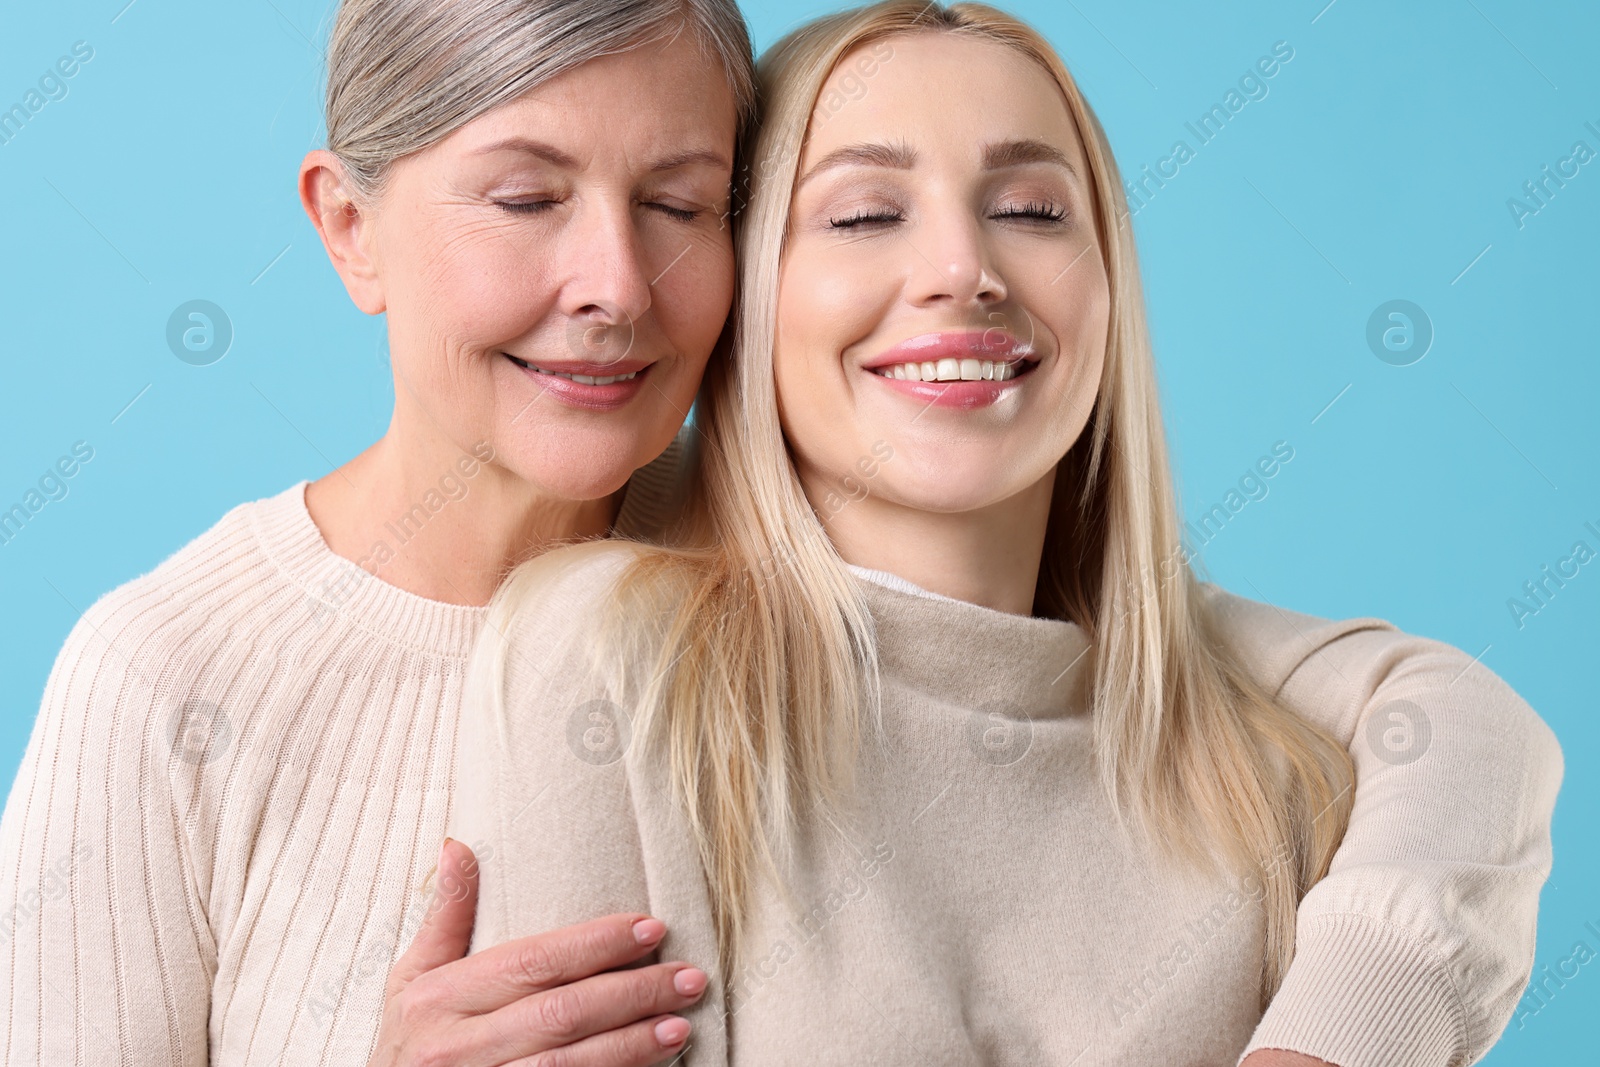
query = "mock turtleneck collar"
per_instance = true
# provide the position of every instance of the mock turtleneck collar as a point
(978, 656)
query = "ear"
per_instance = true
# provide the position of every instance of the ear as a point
(346, 232)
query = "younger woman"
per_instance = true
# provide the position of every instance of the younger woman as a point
(928, 735)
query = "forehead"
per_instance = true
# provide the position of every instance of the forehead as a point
(677, 74)
(932, 88)
(665, 91)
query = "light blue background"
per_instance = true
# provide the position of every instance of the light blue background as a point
(1378, 167)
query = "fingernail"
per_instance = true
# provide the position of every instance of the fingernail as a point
(648, 931)
(689, 981)
(672, 1031)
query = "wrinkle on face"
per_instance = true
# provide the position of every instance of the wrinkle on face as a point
(467, 280)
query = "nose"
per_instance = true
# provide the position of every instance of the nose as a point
(607, 284)
(952, 264)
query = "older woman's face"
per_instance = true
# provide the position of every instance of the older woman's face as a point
(943, 304)
(572, 237)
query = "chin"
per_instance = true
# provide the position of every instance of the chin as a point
(952, 489)
(585, 466)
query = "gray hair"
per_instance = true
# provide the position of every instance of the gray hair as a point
(405, 74)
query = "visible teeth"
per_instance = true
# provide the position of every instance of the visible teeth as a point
(581, 379)
(951, 370)
(586, 379)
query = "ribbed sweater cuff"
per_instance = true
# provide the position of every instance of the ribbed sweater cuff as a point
(1364, 993)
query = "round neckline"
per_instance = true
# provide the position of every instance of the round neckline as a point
(292, 540)
(290, 537)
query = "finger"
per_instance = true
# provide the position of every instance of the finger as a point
(446, 929)
(590, 1007)
(507, 972)
(650, 1041)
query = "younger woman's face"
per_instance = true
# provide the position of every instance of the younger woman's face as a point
(943, 302)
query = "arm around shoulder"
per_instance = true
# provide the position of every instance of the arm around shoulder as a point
(1417, 944)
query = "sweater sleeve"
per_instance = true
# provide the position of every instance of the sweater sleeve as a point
(568, 818)
(1415, 947)
(105, 950)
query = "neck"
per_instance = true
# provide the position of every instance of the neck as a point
(989, 556)
(421, 514)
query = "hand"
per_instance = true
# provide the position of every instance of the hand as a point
(1278, 1057)
(516, 1000)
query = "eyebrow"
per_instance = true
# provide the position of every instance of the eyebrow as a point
(548, 153)
(690, 157)
(1020, 153)
(896, 156)
(899, 156)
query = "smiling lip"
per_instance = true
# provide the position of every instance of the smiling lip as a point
(548, 375)
(993, 351)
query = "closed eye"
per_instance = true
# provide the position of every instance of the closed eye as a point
(866, 218)
(526, 207)
(1031, 210)
(534, 207)
(681, 214)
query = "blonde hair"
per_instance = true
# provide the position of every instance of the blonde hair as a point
(762, 669)
(404, 74)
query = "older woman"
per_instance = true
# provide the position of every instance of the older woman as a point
(930, 738)
(241, 769)
(224, 826)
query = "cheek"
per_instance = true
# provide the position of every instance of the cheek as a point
(1076, 311)
(471, 286)
(824, 308)
(1082, 328)
(692, 300)
(832, 294)
(825, 305)
(1095, 325)
(808, 333)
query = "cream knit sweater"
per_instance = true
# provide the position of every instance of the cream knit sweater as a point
(221, 832)
(985, 912)
(224, 826)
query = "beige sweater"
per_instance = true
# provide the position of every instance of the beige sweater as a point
(985, 910)
(222, 828)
